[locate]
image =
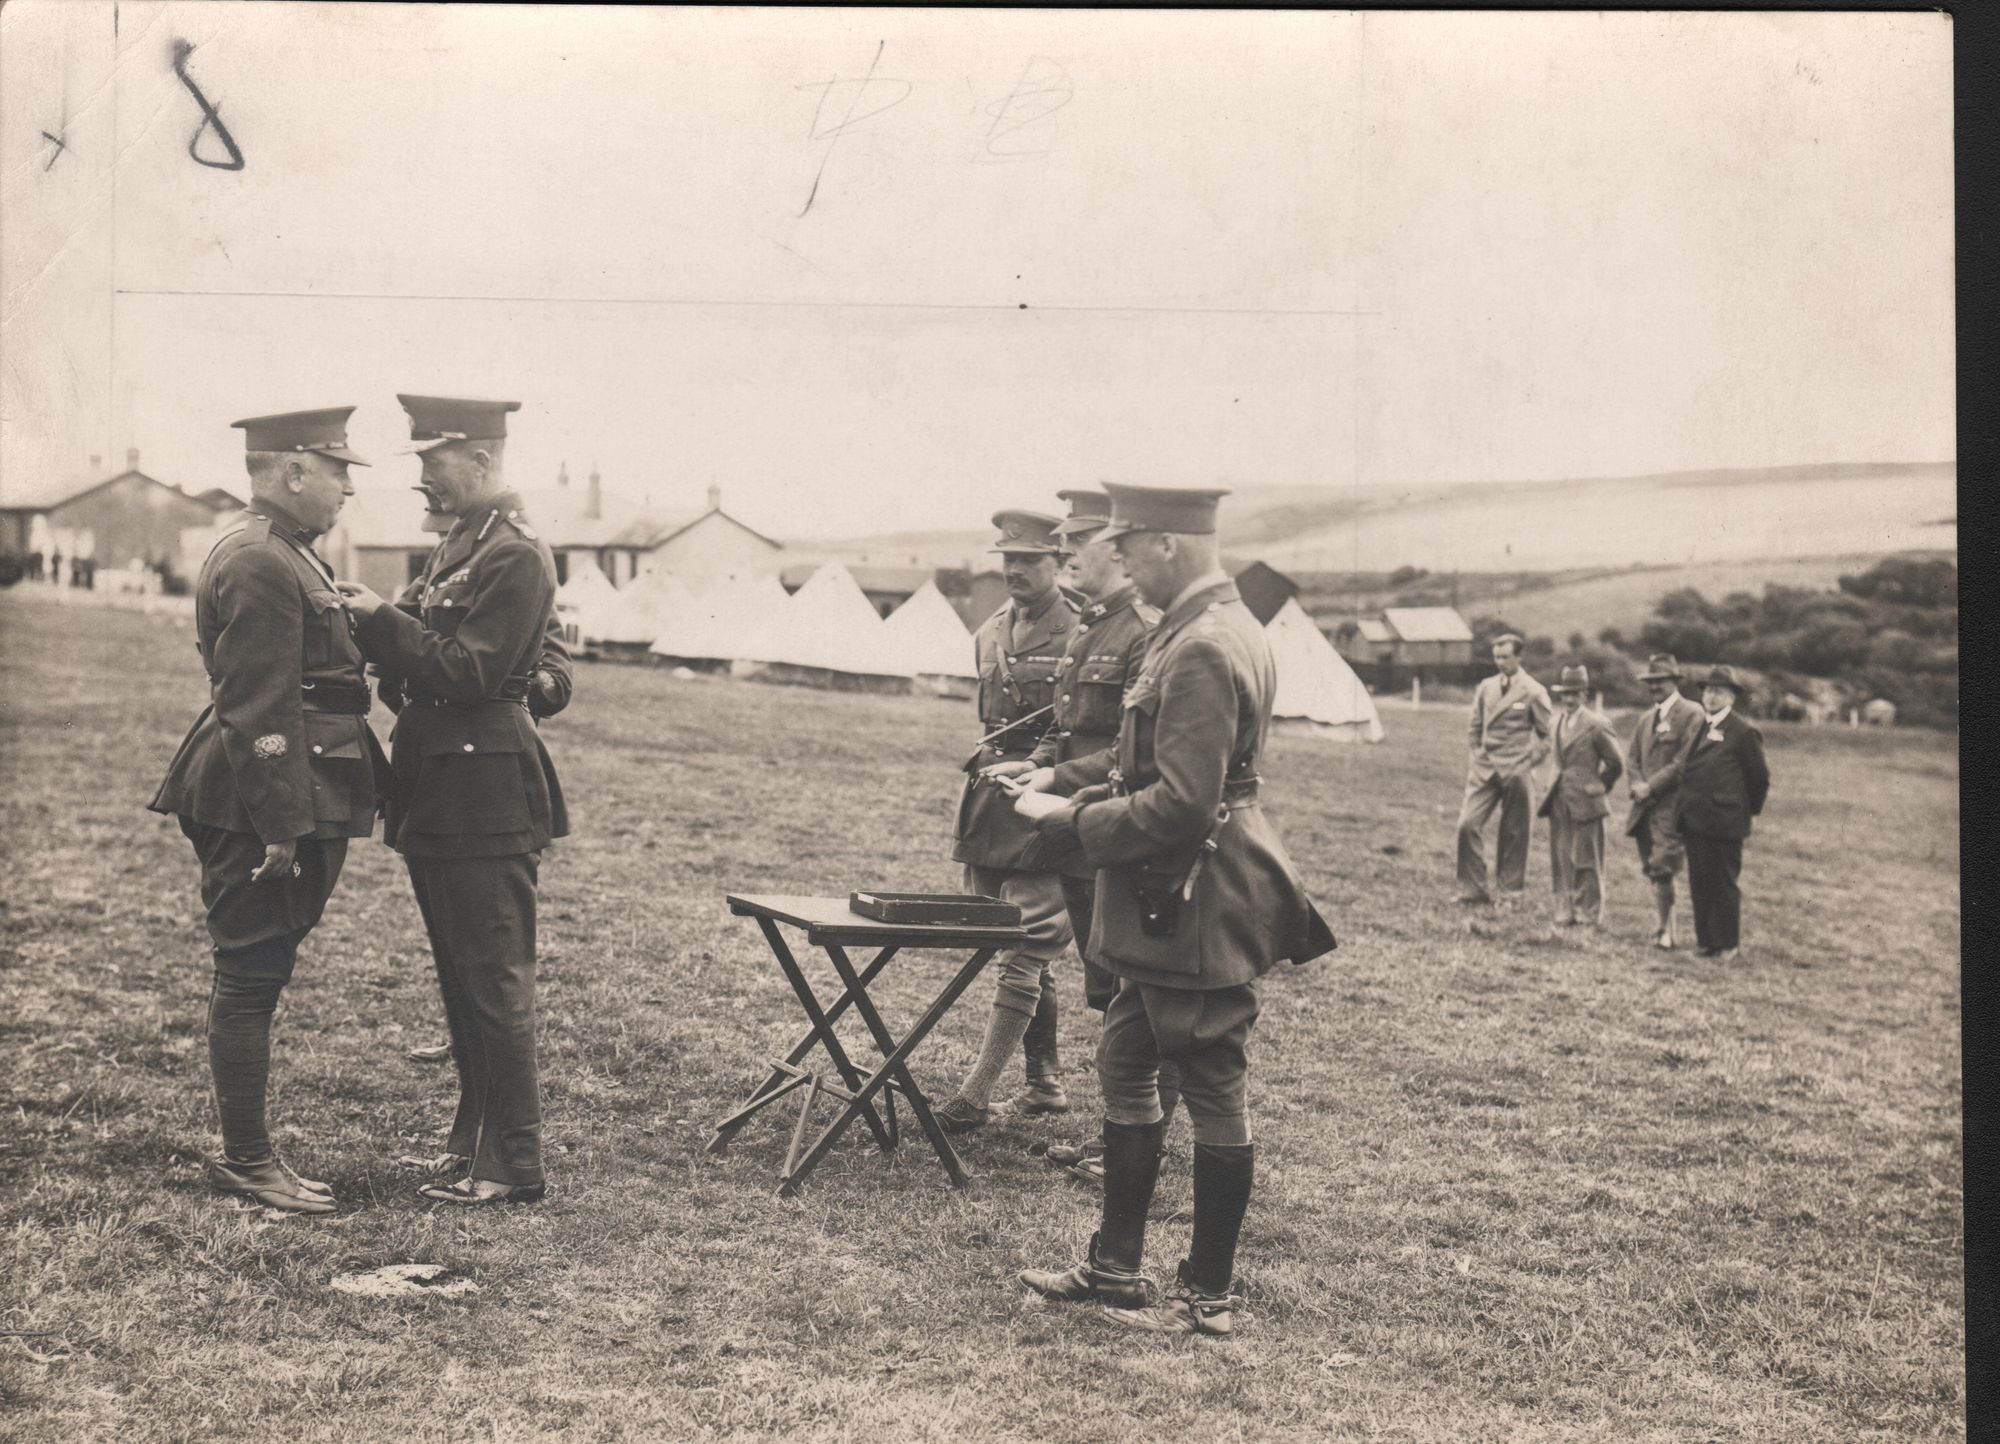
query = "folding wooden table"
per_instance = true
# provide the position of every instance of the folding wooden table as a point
(830, 925)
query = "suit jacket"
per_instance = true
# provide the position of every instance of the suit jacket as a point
(1724, 781)
(283, 750)
(464, 644)
(1587, 764)
(1193, 732)
(1657, 751)
(1510, 729)
(1018, 656)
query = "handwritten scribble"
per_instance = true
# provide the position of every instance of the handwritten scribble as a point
(1023, 123)
(56, 154)
(856, 93)
(211, 117)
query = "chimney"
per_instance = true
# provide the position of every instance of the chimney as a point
(131, 458)
(593, 506)
(562, 476)
(715, 498)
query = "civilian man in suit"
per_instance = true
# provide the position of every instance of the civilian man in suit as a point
(1662, 736)
(477, 798)
(277, 773)
(1195, 900)
(1723, 785)
(1587, 763)
(1509, 737)
(1018, 654)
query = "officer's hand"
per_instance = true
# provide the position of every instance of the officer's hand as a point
(1640, 792)
(277, 860)
(1038, 806)
(998, 770)
(361, 599)
(1039, 780)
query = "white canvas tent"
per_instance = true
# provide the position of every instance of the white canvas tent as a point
(830, 636)
(930, 642)
(583, 599)
(721, 619)
(1316, 687)
(630, 621)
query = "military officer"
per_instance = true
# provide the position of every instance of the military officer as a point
(277, 773)
(1196, 899)
(1662, 737)
(1587, 763)
(1103, 656)
(1509, 739)
(476, 798)
(1018, 653)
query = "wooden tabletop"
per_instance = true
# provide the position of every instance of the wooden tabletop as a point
(831, 920)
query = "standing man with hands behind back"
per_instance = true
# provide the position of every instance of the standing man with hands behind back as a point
(477, 798)
(277, 773)
(1509, 738)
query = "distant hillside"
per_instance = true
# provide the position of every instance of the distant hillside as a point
(1670, 519)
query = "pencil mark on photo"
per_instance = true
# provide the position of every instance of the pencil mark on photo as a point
(56, 154)
(1043, 89)
(211, 117)
(856, 94)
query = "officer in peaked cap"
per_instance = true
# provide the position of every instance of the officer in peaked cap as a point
(1018, 652)
(277, 773)
(476, 797)
(1103, 657)
(1195, 900)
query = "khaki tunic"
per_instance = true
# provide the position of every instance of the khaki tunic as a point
(1018, 655)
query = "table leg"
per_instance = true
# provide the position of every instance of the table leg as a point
(822, 1028)
(893, 1067)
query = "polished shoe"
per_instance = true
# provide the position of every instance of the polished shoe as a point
(1470, 900)
(1083, 1161)
(271, 1184)
(1724, 955)
(1565, 920)
(1186, 1310)
(959, 1115)
(1092, 1282)
(474, 1191)
(439, 1165)
(1042, 1095)
(1664, 940)
(436, 1053)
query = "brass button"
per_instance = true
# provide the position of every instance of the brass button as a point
(468, 747)
(1065, 698)
(316, 749)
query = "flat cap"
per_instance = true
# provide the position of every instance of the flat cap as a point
(1088, 510)
(322, 431)
(1187, 511)
(434, 420)
(1026, 531)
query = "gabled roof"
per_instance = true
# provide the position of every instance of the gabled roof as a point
(671, 531)
(52, 494)
(1427, 624)
(1372, 630)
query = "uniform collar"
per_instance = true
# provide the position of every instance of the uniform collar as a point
(283, 522)
(1118, 601)
(1040, 609)
(1196, 598)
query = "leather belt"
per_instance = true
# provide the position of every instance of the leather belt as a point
(514, 690)
(350, 698)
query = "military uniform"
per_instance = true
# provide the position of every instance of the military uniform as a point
(1196, 899)
(1103, 655)
(282, 753)
(477, 798)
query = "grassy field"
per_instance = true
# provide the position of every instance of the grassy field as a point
(1515, 1183)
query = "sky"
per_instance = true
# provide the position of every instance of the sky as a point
(881, 270)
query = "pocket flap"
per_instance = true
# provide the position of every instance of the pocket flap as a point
(334, 734)
(1095, 671)
(450, 730)
(323, 601)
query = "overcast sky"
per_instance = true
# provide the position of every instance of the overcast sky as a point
(871, 270)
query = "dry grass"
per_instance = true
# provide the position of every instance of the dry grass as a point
(1514, 1184)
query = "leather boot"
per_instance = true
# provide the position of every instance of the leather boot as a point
(1131, 1169)
(1044, 1093)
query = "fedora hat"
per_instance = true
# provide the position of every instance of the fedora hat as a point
(1724, 676)
(1574, 679)
(1661, 667)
